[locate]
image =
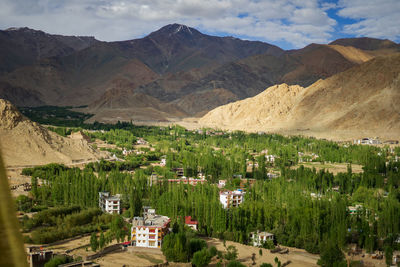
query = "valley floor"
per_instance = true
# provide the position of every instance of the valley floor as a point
(297, 257)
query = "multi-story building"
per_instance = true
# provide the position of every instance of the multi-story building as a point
(148, 231)
(231, 198)
(258, 238)
(108, 203)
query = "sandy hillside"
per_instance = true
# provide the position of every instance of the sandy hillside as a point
(24, 142)
(297, 257)
(362, 101)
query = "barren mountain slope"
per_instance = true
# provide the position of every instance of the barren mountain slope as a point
(268, 109)
(366, 43)
(250, 76)
(124, 104)
(24, 46)
(24, 142)
(364, 100)
(366, 97)
(83, 76)
(175, 71)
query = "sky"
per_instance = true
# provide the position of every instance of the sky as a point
(289, 24)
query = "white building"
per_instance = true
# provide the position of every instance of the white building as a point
(148, 231)
(163, 162)
(231, 198)
(270, 158)
(108, 203)
(258, 238)
(221, 183)
(141, 141)
(367, 141)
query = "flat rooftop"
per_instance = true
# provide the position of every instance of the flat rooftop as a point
(152, 221)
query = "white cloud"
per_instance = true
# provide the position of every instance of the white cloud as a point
(297, 22)
(374, 18)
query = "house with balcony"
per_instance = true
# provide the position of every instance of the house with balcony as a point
(148, 231)
(231, 198)
(108, 203)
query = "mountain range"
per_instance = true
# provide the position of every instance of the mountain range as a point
(172, 73)
(361, 101)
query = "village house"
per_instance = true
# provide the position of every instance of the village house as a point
(336, 188)
(126, 152)
(191, 223)
(259, 238)
(163, 162)
(231, 198)
(270, 158)
(148, 231)
(367, 141)
(141, 141)
(108, 203)
(179, 172)
(221, 183)
(251, 164)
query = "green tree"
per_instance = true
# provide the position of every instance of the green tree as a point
(57, 260)
(231, 253)
(235, 263)
(94, 244)
(201, 258)
(34, 183)
(278, 262)
(102, 241)
(213, 251)
(24, 203)
(331, 255)
(388, 255)
(116, 227)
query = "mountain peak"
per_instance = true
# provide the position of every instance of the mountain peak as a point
(181, 27)
(23, 29)
(176, 29)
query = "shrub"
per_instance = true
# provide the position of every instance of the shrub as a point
(201, 258)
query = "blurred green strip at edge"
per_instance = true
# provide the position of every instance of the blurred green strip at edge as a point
(12, 252)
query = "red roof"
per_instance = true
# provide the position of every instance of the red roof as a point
(188, 220)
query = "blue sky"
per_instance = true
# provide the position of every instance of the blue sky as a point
(287, 23)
